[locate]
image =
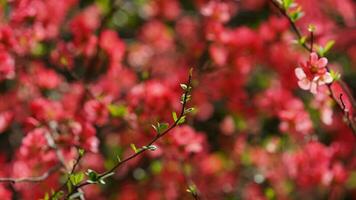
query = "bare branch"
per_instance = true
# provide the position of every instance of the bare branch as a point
(40, 178)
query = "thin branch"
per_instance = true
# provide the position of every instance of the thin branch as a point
(189, 182)
(294, 27)
(75, 165)
(142, 150)
(42, 177)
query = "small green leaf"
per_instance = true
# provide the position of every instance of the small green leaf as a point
(335, 75)
(287, 4)
(133, 147)
(161, 127)
(174, 115)
(192, 189)
(328, 46)
(296, 14)
(92, 176)
(302, 40)
(117, 110)
(76, 178)
(81, 152)
(69, 186)
(46, 197)
(189, 110)
(184, 86)
(181, 120)
(185, 98)
(151, 147)
(57, 195)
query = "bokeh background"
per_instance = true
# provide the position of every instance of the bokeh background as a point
(95, 74)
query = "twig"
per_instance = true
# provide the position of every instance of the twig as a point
(142, 150)
(77, 161)
(42, 177)
(189, 182)
(351, 122)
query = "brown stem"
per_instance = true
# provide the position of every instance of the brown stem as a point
(42, 177)
(294, 27)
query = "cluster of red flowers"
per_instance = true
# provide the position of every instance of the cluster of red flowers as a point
(95, 75)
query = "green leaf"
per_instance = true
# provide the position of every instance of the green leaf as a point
(151, 147)
(184, 86)
(81, 152)
(161, 127)
(335, 75)
(185, 98)
(302, 40)
(189, 110)
(174, 115)
(328, 46)
(92, 176)
(69, 186)
(181, 120)
(76, 178)
(57, 195)
(192, 189)
(117, 110)
(296, 14)
(323, 50)
(46, 197)
(133, 147)
(287, 4)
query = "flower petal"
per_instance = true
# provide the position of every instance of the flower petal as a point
(304, 84)
(313, 58)
(322, 62)
(327, 78)
(299, 73)
(314, 87)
